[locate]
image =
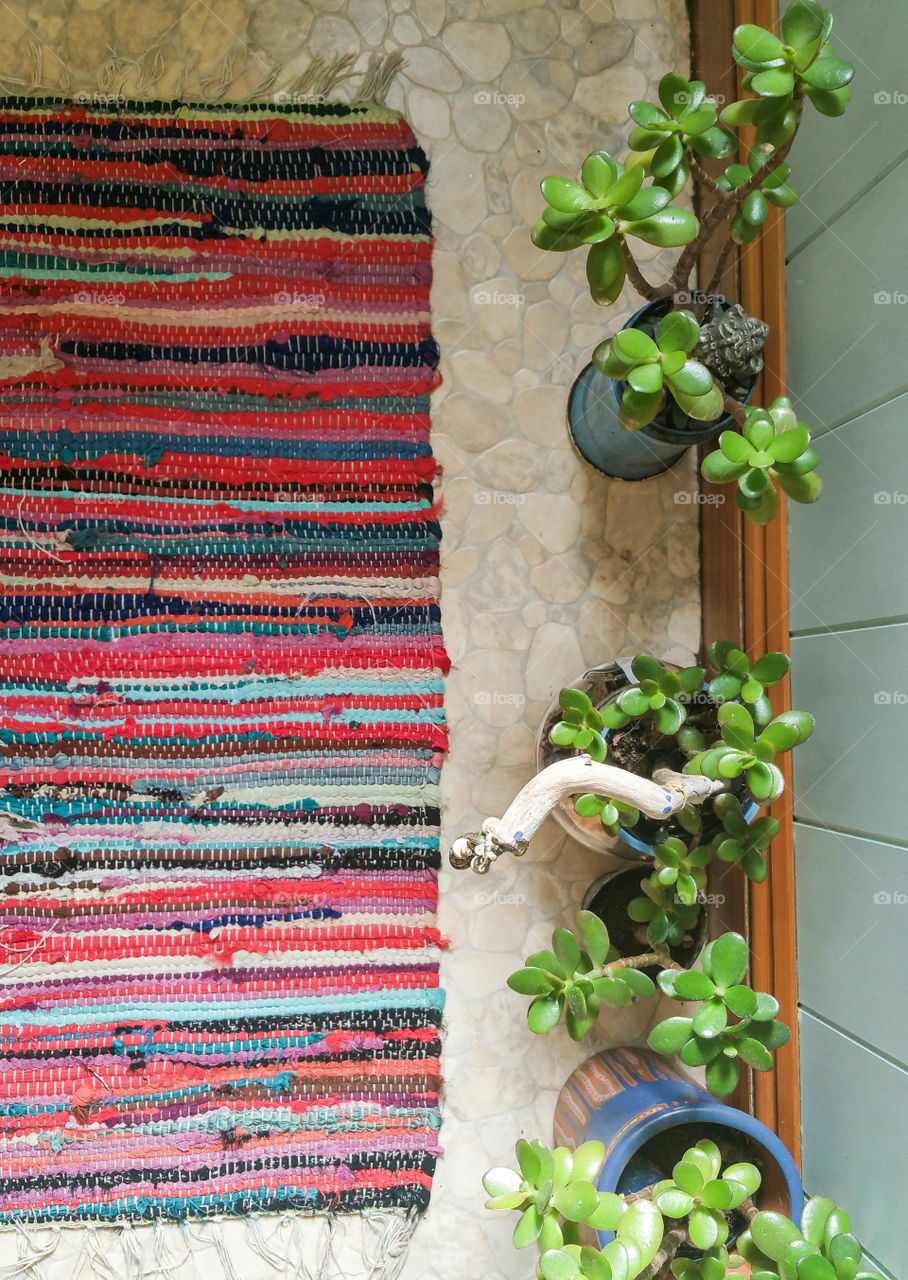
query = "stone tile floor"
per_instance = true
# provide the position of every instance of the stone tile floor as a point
(548, 568)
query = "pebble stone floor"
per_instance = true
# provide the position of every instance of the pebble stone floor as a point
(548, 567)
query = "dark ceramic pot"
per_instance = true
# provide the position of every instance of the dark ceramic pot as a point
(633, 455)
(626, 1097)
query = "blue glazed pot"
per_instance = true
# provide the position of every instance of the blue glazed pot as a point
(624, 1097)
(629, 455)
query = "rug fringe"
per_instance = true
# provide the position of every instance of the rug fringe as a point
(119, 78)
(146, 1251)
(379, 75)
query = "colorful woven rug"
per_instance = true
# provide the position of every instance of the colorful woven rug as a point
(220, 663)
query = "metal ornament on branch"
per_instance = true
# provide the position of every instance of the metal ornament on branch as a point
(731, 345)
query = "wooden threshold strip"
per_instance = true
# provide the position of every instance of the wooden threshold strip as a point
(745, 598)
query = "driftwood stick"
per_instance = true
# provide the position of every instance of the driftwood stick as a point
(659, 797)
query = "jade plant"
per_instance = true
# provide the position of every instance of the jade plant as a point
(772, 445)
(688, 1225)
(768, 450)
(582, 973)
(648, 366)
(721, 727)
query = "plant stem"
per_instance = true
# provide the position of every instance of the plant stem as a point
(721, 264)
(660, 1265)
(724, 205)
(644, 961)
(735, 408)
(635, 275)
(705, 179)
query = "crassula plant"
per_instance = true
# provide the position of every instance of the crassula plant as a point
(687, 1225)
(720, 727)
(582, 974)
(723, 728)
(614, 202)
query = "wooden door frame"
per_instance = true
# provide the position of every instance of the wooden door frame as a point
(745, 598)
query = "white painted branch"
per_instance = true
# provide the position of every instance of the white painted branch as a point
(660, 797)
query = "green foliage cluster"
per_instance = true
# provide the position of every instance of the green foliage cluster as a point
(680, 1227)
(769, 450)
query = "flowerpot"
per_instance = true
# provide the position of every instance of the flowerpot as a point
(647, 1112)
(608, 898)
(636, 455)
(602, 685)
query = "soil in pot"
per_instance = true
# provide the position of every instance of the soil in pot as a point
(610, 902)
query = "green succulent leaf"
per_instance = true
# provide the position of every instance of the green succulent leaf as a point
(605, 270)
(647, 201)
(555, 240)
(772, 1233)
(646, 378)
(673, 1203)
(528, 1227)
(754, 1054)
(703, 1228)
(718, 469)
(594, 936)
(693, 985)
(710, 1019)
(598, 174)
(544, 1013)
(814, 1218)
(692, 379)
(774, 82)
(667, 228)
(805, 22)
(755, 45)
(565, 195)
(722, 1075)
(705, 408)
(670, 1036)
(566, 949)
(576, 1200)
(725, 959)
(678, 331)
(828, 73)
(530, 982)
(832, 103)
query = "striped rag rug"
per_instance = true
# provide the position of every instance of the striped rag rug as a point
(220, 663)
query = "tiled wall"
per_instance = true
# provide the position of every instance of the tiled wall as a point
(548, 568)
